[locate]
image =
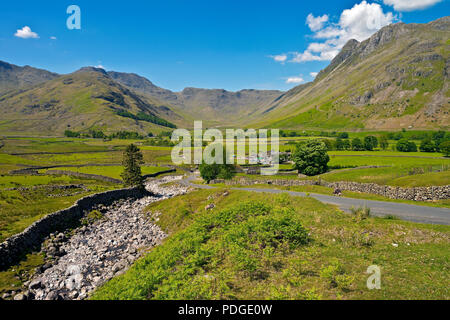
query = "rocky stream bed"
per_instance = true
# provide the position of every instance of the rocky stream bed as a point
(109, 241)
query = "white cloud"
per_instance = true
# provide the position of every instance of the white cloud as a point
(410, 5)
(295, 80)
(314, 74)
(316, 23)
(26, 33)
(53, 38)
(280, 58)
(359, 22)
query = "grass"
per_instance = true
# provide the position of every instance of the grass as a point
(263, 246)
(421, 180)
(13, 278)
(393, 176)
(19, 209)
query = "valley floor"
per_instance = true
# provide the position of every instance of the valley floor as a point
(207, 255)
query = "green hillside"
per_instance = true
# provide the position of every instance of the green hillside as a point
(396, 79)
(85, 100)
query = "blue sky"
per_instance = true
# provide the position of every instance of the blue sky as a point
(226, 44)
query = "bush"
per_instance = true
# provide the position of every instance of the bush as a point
(72, 134)
(311, 158)
(406, 146)
(360, 213)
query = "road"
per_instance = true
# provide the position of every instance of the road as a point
(414, 213)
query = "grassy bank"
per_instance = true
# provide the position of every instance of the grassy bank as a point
(262, 246)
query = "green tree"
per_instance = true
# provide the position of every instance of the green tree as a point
(328, 144)
(405, 145)
(132, 160)
(209, 172)
(343, 135)
(384, 143)
(213, 171)
(370, 143)
(340, 144)
(427, 145)
(311, 158)
(357, 145)
(445, 148)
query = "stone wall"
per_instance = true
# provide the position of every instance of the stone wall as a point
(398, 193)
(14, 248)
(100, 177)
(83, 176)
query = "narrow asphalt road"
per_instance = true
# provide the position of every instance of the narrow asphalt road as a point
(414, 213)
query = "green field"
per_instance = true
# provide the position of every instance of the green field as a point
(20, 208)
(262, 246)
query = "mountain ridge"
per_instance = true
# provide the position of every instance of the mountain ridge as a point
(397, 78)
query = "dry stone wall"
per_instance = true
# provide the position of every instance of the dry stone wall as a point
(14, 248)
(398, 193)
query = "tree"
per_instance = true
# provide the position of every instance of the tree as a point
(72, 134)
(132, 160)
(370, 143)
(445, 148)
(311, 158)
(347, 145)
(213, 171)
(406, 146)
(340, 144)
(427, 145)
(328, 144)
(357, 145)
(440, 137)
(384, 143)
(343, 135)
(209, 172)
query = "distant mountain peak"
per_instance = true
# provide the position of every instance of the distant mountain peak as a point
(93, 69)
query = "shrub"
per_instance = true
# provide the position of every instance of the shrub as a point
(360, 213)
(72, 134)
(92, 217)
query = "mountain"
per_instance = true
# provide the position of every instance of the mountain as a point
(215, 106)
(81, 101)
(398, 78)
(13, 77)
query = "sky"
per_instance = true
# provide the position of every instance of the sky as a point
(226, 44)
